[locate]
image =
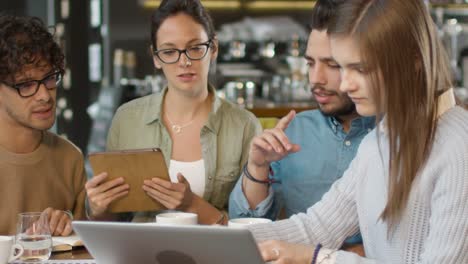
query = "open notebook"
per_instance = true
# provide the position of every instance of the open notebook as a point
(67, 243)
(62, 261)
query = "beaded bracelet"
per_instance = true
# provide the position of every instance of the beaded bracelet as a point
(220, 221)
(327, 256)
(250, 177)
(316, 251)
(69, 213)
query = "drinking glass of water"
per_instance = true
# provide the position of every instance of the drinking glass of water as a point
(33, 233)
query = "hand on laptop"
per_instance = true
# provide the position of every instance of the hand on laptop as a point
(282, 252)
(101, 192)
(59, 222)
(170, 194)
(272, 144)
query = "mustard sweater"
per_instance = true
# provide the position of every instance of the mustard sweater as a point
(51, 176)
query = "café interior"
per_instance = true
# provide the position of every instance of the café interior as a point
(260, 66)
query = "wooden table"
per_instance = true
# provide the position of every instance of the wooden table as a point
(82, 253)
(77, 253)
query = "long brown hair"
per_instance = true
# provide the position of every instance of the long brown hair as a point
(409, 69)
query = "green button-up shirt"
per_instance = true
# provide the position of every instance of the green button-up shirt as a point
(225, 139)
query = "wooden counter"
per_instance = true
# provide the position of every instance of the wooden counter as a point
(262, 108)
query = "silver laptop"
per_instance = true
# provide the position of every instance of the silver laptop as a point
(125, 243)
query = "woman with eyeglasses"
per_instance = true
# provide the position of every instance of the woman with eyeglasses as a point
(204, 139)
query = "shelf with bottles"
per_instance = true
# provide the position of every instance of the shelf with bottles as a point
(447, 5)
(451, 9)
(245, 4)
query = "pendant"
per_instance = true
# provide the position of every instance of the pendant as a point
(176, 129)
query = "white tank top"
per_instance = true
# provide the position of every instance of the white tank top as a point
(193, 171)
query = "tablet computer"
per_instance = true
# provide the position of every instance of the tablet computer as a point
(134, 166)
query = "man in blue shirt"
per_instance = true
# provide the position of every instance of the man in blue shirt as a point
(292, 165)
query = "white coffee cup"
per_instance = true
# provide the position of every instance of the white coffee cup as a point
(244, 222)
(177, 218)
(8, 250)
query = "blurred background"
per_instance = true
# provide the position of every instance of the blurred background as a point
(260, 65)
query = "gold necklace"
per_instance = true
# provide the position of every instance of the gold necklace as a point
(177, 128)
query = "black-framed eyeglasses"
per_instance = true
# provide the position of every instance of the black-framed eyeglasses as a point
(195, 52)
(30, 88)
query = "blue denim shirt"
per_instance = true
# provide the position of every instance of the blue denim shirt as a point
(326, 151)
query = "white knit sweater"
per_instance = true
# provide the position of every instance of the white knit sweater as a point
(434, 225)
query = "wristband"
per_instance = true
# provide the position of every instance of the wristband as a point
(316, 251)
(250, 177)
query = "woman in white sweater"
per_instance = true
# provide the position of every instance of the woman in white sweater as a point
(407, 189)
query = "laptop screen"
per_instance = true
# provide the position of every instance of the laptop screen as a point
(115, 243)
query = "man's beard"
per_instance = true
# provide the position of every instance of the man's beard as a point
(347, 108)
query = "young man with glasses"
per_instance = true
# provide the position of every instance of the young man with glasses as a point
(39, 171)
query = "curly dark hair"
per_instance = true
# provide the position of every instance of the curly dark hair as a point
(25, 41)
